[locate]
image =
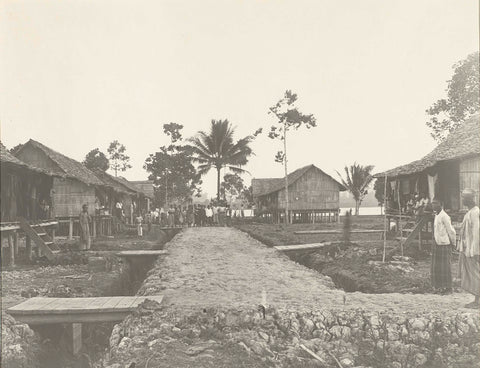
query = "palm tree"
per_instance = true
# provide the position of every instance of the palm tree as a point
(357, 181)
(217, 149)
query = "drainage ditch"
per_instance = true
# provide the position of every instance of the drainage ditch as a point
(55, 340)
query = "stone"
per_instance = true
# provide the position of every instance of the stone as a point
(418, 324)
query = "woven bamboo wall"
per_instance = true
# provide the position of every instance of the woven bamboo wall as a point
(69, 195)
(313, 191)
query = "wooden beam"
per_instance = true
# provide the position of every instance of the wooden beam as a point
(15, 243)
(366, 231)
(11, 249)
(76, 338)
(70, 229)
(287, 248)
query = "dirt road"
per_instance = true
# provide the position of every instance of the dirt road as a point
(225, 267)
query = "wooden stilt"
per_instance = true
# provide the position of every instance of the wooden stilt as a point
(15, 243)
(70, 229)
(11, 249)
(28, 247)
(94, 230)
(52, 234)
(76, 338)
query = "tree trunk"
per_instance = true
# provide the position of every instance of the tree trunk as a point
(218, 183)
(287, 219)
(357, 207)
(166, 192)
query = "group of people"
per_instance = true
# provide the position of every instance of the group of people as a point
(467, 244)
(191, 215)
(417, 204)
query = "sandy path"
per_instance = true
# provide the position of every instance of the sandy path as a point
(226, 267)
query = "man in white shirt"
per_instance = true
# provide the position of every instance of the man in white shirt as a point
(469, 248)
(209, 215)
(444, 238)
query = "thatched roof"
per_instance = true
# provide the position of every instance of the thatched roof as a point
(7, 158)
(462, 142)
(109, 181)
(127, 184)
(266, 186)
(69, 166)
(145, 186)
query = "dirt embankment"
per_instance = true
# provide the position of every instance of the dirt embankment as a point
(356, 265)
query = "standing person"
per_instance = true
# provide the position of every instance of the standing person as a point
(190, 216)
(209, 215)
(171, 216)
(444, 239)
(228, 214)
(149, 219)
(203, 215)
(84, 220)
(139, 220)
(468, 246)
(181, 216)
(215, 214)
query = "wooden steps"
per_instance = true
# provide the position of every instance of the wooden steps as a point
(42, 240)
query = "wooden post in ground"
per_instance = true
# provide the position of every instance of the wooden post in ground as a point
(400, 218)
(70, 229)
(76, 338)
(385, 219)
(11, 249)
(52, 234)
(15, 243)
(28, 247)
(94, 230)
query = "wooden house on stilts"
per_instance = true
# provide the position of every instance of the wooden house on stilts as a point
(313, 196)
(442, 174)
(25, 206)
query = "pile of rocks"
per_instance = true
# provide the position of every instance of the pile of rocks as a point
(352, 337)
(20, 346)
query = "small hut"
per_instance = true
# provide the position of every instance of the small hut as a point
(76, 184)
(451, 167)
(313, 196)
(26, 189)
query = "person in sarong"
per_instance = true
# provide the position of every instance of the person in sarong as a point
(469, 248)
(444, 241)
(84, 220)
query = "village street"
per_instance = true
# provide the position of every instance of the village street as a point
(227, 268)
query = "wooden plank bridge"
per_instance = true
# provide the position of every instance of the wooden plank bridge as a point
(75, 311)
(286, 248)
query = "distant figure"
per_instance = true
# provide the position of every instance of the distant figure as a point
(119, 209)
(84, 220)
(190, 216)
(444, 239)
(149, 220)
(209, 215)
(228, 215)
(181, 216)
(469, 248)
(171, 216)
(215, 214)
(139, 220)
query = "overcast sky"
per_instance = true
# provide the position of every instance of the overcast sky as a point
(76, 75)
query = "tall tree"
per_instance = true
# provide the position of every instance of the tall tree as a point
(119, 161)
(172, 169)
(288, 117)
(462, 99)
(217, 149)
(96, 159)
(357, 180)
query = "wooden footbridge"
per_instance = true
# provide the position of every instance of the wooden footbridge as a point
(75, 311)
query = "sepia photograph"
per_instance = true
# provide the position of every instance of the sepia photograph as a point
(240, 183)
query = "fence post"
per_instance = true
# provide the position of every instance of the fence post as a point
(70, 229)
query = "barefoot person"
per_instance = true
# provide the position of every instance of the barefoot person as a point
(444, 240)
(468, 247)
(84, 220)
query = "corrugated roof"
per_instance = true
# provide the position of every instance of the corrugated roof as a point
(462, 142)
(69, 166)
(7, 157)
(266, 186)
